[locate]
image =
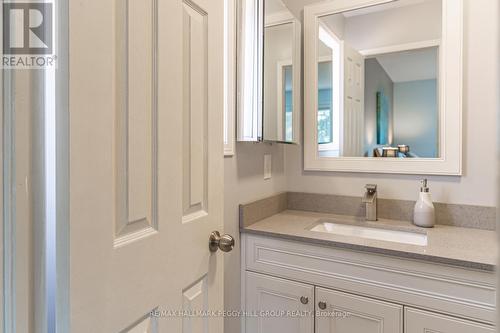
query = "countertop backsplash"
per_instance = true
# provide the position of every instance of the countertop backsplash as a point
(467, 216)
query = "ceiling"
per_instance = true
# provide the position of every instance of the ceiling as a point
(274, 6)
(411, 65)
(297, 6)
(387, 6)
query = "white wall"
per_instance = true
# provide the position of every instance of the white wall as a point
(244, 182)
(480, 107)
(416, 116)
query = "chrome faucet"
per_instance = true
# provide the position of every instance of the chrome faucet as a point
(370, 199)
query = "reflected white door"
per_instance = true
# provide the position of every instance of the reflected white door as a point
(146, 162)
(354, 95)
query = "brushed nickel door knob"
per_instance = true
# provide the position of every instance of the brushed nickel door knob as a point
(322, 305)
(225, 242)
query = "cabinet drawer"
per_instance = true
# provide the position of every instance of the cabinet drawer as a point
(346, 313)
(278, 305)
(418, 321)
(456, 291)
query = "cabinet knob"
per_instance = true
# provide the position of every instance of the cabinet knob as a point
(304, 300)
(322, 305)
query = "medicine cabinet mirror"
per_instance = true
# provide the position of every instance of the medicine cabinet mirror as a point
(269, 84)
(382, 86)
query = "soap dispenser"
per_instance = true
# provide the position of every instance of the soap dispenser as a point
(423, 214)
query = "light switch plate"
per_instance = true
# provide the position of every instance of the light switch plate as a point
(267, 166)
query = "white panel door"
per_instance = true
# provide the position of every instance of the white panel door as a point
(338, 312)
(146, 164)
(278, 305)
(418, 321)
(354, 96)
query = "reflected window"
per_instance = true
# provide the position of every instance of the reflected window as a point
(329, 90)
(325, 110)
(288, 102)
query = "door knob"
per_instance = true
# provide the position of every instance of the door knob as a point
(304, 300)
(225, 242)
(322, 305)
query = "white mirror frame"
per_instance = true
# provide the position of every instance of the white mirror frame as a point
(450, 102)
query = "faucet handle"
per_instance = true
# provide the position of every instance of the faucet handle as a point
(371, 188)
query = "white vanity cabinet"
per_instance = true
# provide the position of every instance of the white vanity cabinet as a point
(346, 313)
(379, 293)
(418, 321)
(278, 305)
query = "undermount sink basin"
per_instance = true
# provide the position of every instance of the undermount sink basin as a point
(339, 227)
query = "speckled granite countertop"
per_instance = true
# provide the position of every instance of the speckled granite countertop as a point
(465, 247)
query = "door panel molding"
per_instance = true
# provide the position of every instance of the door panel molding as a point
(195, 109)
(195, 299)
(147, 324)
(136, 120)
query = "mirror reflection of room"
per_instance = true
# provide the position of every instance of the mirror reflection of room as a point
(278, 72)
(378, 82)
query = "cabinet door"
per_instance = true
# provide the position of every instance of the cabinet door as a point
(278, 305)
(338, 312)
(418, 321)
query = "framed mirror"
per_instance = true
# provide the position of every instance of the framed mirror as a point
(383, 86)
(269, 79)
